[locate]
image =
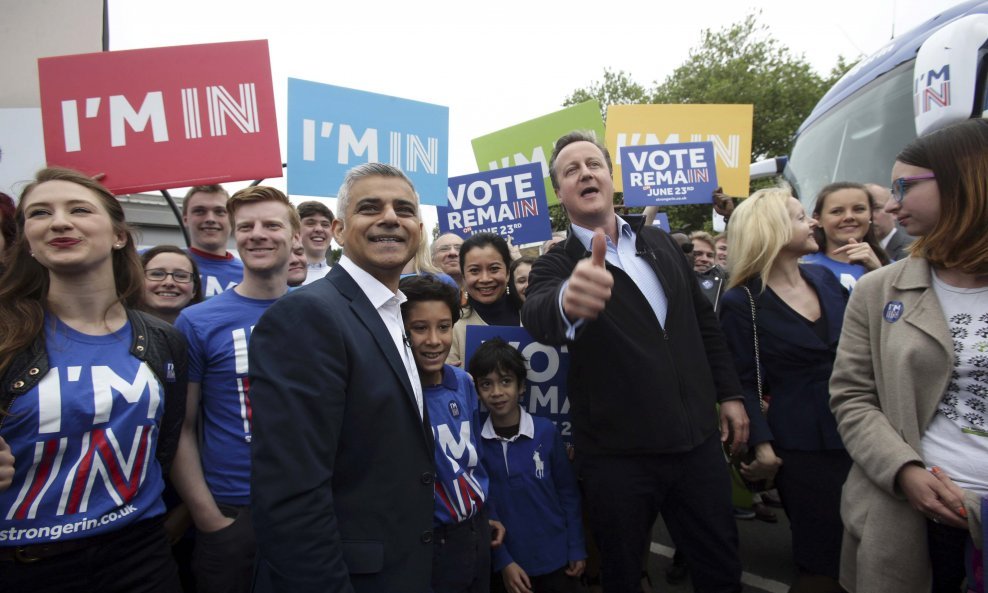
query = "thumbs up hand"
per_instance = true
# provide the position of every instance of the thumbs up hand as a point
(598, 249)
(590, 284)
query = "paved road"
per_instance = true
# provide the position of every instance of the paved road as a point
(766, 557)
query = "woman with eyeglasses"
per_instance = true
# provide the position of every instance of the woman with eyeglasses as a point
(910, 383)
(171, 282)
(91, 400)
(849, 246)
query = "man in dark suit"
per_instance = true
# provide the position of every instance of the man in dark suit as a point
(342, 485)
(894, 240)
(648, 366)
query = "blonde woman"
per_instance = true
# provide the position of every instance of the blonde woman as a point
(782, 320)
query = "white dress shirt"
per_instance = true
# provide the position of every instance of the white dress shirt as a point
(388, 305)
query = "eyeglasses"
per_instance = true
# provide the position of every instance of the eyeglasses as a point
(901, 185)
(447, 248)
(157, 275)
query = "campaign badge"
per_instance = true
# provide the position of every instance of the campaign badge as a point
(893, 311)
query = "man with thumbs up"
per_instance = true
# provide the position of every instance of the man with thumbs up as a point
(648, 366)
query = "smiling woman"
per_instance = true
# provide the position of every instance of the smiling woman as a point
(171, 282)
(848, 244)
(69, 338)
(484, 262)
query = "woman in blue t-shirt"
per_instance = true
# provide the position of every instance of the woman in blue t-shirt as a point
(92, 402)
(848, 245)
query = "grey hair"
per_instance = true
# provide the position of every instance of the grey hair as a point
(576, 136)
(432, 247)
(362, 172)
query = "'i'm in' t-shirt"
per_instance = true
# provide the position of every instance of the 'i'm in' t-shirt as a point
(84, 440)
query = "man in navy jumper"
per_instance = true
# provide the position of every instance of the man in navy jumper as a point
(526, 462)
(648, 366)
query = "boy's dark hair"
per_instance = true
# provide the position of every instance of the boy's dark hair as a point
(307, 209)
(497, 355)
(429, 288)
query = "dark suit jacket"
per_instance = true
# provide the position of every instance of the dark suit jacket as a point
(636, 387)
(898, 243)
(342, 479)
(796, 363)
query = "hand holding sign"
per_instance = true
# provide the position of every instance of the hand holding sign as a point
(723, 203)
(6, 465)
(589, 286)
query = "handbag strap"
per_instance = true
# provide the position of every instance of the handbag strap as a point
(758, 362)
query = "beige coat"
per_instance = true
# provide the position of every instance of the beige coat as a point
(888, 379)
(459, 349)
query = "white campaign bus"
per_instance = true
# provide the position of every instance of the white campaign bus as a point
(923, 80)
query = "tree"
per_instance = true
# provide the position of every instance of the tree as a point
(739, 64)
(744, 64)
(617, 88)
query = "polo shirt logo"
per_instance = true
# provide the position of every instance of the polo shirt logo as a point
(539, 465)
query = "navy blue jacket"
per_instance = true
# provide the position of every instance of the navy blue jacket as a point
(796, 363)
(538, 497)
(343, 467)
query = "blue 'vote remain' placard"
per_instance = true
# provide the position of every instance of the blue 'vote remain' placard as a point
(668, 174)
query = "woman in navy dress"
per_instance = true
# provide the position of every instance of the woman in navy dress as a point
(799, 309)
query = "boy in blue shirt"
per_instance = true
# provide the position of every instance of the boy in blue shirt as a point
(463, 533)
(538, 498)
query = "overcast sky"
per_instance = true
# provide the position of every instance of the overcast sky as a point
(496, 64)
(499, 63)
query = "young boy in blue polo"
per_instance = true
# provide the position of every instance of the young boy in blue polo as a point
(462, 533)
(531, 476)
